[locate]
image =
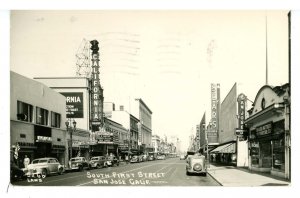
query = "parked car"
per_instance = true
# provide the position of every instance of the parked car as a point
(98, 162)
(140, 158)
(161, 157)
(42, 167)
(196, 164)
(182, 157)
(145, 157)
(111, 161)
(151, 158)
(134, 159)
(79, 163)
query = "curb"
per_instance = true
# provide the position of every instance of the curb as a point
(214, 179)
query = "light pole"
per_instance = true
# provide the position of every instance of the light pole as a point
(71, 134)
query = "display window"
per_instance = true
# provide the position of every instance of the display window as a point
(254, 153)
(278, 154)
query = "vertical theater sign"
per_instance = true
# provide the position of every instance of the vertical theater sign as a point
(101, 132)
(212, 134)
(97, 91)
(241, 131)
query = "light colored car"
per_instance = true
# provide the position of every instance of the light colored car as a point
(98, 162)
(42, 167)
(161, 157)
(182, 157)
(196, 164)
(134, 159)
(78, 163)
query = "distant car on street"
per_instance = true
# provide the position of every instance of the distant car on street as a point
(161, 157)
(182, 157)
(98, 162)
(43, 167)
(79, 163)
(111, 161)
(135, 159)
(150, 158)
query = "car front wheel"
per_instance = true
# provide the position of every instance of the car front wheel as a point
(60, 171)
(44, 173)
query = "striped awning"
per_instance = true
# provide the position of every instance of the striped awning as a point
(226, 148)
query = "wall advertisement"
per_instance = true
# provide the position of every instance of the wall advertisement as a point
(74, 104)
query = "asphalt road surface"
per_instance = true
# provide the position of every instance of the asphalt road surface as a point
(169, 172)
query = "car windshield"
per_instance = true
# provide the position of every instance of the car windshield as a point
(95, 158)
(38, 161)
(76, 159)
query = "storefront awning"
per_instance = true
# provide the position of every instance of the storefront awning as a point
(226, 148)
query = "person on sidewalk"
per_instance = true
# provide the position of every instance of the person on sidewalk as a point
(26, 161)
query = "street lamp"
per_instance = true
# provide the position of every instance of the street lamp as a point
(71, 134)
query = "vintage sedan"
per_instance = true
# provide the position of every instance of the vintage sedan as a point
(135, 159)
(78, 163)
(42, 167)
(98, 162)
(196, 164)
(161, 157)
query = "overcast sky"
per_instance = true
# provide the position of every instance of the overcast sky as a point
(167, 58)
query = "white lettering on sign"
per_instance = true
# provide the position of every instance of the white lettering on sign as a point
(43, 139)
(214, 106)
(115, 178)
(73, 99)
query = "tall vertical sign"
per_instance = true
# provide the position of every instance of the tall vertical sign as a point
(240, 131)
(97, 91)
(215, 108)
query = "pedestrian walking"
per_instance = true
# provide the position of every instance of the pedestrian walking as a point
(26, 161)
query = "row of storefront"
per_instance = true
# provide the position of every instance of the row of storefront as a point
(269, 131)
(263, 142)
(37, 122)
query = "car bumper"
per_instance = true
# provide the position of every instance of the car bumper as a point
(93, 165)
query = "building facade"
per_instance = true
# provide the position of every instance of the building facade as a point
(87, 142)
(231, 149)
(156, 143)
(144, 114)
(37, 115)
(269, 131)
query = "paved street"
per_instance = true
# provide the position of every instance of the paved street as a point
(169, 172)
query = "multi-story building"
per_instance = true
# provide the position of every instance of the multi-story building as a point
(144, 114)
(131, 125)
(156, 143)
(89, 141)
(37, 115)
(231, 148)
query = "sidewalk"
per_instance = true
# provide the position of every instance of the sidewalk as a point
(235, 177)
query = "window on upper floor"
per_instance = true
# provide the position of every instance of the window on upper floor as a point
(55, 119)
(41, 116)
(24, 111)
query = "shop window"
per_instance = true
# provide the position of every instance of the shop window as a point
(41, 116)
(24, 111)
(55, 119)
(278, 154)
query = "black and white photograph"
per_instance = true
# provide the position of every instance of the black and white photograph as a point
(150, 98)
